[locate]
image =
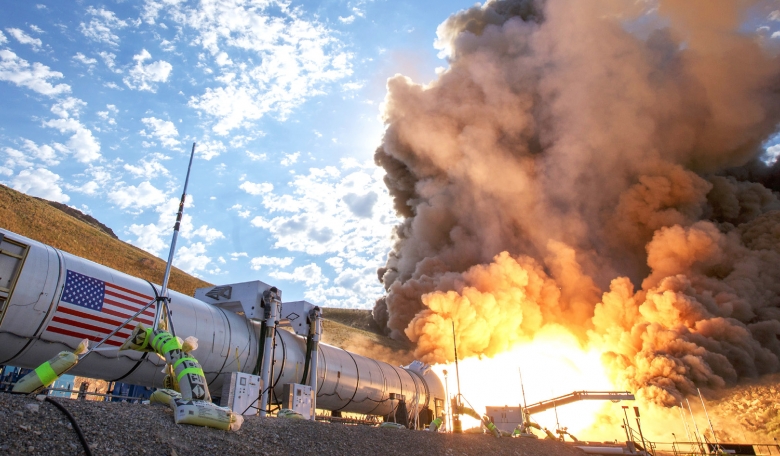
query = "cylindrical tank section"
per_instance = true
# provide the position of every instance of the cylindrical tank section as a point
(51, 300)
(353, 383)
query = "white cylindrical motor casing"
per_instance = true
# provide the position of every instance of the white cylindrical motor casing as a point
(353, 383)
(32, 331)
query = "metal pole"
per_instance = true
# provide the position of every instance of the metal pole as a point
(457, 371)
(696, 426)
(639, 426)
(448, 405)
(714, 437)
(524, 415)
(626, 426)
(164, 292)
(685, 423)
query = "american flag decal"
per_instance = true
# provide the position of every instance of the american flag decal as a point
(90, 308)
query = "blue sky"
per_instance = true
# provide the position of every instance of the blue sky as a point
(102, 101)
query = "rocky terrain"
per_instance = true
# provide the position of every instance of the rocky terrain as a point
(28, 426)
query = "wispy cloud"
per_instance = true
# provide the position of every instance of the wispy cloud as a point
(102, 26)
(35, 77)
(291, 58)
(24, 38)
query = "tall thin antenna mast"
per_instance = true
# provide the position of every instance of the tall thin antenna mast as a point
(457, 371)
(714, 437)
(522, 388)
(695, 425)
(163, 299)
(685, 423)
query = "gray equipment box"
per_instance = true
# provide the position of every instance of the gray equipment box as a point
(299, 398)
(241, 392)
(505, 418)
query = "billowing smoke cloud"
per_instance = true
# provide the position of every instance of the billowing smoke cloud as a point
(591, 165)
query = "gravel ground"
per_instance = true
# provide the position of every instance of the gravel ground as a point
(114, 428)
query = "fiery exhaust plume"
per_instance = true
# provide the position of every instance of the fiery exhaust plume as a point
(592, 166)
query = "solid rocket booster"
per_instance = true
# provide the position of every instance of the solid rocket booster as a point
(50, 300)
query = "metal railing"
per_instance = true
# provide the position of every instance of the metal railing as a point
(708, 449)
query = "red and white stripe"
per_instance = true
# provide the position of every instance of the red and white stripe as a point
(119, 304)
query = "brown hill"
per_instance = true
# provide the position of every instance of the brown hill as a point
(39, 220)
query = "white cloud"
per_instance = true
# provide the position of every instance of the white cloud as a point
(152, 8)
(167, 46)
(237, 255)
(44, 153)
(336, 262)
(774, 15)
(352, 86)
(286, 58)
(311, 274)
(154, 237)
(345, 213)
(102, 26)
(209, 149)
(143, 196)
(290, 159)
(164, 130)
(209, 235)
(82, 144)
(347, 20)
(79, 57)
(258, 262)
(107, 117)
(89, 188)
(35, 77)
(16, 159)
(35, 28)
(3, 39)
(256, 157)
(776, 35)
(109, 59)
(771, 155)
(148, 237)
(192, 258)
(39, 182)
(222, 59)
(24, 38)
(142, 77)
(148, 168)
(256, 189)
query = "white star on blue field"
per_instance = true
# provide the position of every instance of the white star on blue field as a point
(103, 100)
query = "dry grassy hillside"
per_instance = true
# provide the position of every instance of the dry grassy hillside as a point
(57, 225)
(38, 220)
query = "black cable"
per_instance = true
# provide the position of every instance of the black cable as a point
(74, 423)
(309, 348)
